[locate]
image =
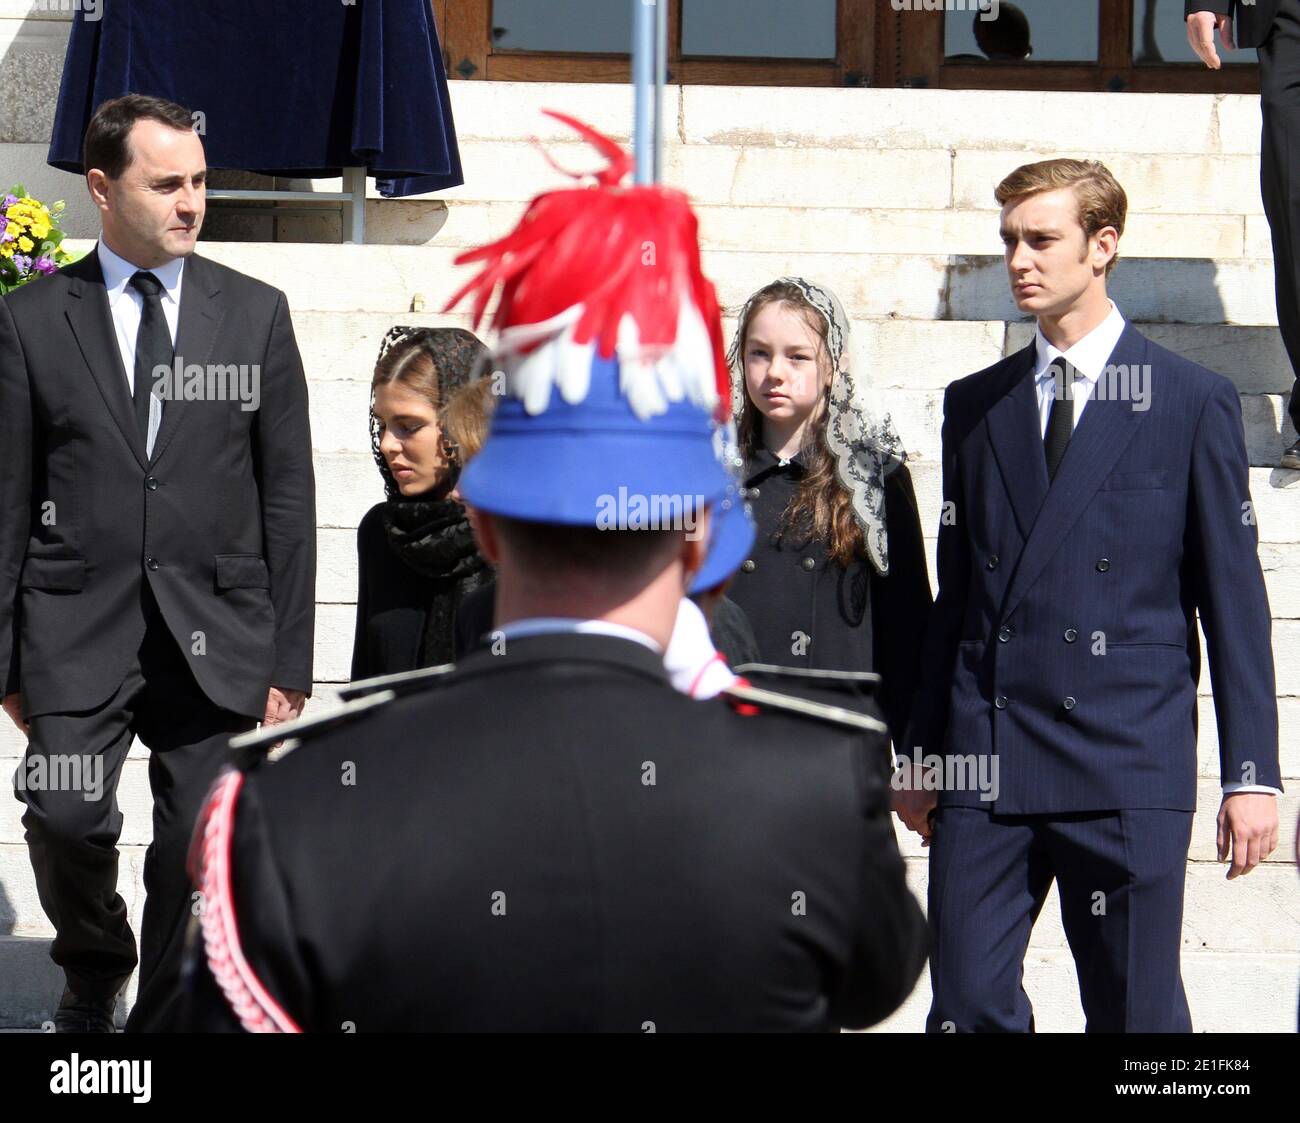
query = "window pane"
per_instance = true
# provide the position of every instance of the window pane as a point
(1160, 35)
(1026, 31)
(759, 28)
(571, 26)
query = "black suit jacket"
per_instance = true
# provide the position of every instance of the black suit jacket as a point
(220, 521)
(1251, 22)
(552, 838)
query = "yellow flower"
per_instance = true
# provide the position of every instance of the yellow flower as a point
(7, 250)
(26, 244)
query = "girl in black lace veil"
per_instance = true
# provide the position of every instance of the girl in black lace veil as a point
(416, 554)
(837, 577)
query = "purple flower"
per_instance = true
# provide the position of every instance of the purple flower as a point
(46, 266)
(10, 200)
(22, 263)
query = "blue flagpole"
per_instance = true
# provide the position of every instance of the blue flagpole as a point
(649, 32)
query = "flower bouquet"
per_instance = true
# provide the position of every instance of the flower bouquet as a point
(30, 239)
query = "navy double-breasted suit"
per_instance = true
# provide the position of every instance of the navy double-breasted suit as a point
(1063, 648)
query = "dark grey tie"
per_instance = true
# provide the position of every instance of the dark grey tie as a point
(1060, 421)
(153, 347)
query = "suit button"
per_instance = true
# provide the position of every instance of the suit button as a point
(753, 493)
(1069, 703)
(1071, 634)
(1000, 701)
(747, 566)
(151, 483)
(151, 563)
(809, 563)
(1103, 565)
(992, 563)
(1005, 633)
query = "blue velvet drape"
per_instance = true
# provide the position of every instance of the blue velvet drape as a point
(286, 87)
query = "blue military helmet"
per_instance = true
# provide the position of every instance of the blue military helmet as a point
(594, 462)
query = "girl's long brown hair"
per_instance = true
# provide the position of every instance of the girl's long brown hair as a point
(822, 508)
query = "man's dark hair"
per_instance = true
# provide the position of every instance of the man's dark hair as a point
(620, 554)
(108, 136)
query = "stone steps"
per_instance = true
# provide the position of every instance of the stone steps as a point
(1229, 992)
(742, 203)
(1235, 992)
(897, 354)
(886, 196)
(387, 278)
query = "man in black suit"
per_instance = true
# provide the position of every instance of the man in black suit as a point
(549, 836)
(1273, 27)
(157, 545)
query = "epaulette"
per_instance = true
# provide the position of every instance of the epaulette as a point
(815, 676)
(252, 747)
(742, 693)
(402, 682)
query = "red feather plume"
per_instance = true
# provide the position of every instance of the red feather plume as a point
(620, 251)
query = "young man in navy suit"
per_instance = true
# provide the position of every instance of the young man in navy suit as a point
(1096, 499)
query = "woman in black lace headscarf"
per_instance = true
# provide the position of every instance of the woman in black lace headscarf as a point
(415, 551)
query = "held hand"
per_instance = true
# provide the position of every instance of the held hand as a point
(910, 800)
(1200, 34)
(283, 705)
(13, 704)
(1247, 830)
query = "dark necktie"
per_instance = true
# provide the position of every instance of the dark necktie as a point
(153, 347)
(1060, 421)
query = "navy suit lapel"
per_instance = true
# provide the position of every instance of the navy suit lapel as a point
(196, 331)
(1016, 436)
(92, 326)
(1103, 433)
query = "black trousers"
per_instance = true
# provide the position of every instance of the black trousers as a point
(1279, 173)
(73, 823)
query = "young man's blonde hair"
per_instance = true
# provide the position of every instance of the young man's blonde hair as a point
(1101, 199)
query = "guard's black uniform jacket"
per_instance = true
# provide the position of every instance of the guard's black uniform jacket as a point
(552, 838)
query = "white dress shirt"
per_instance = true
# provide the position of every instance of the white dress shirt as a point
(1090, 356)
(126, 305)
(695, 667)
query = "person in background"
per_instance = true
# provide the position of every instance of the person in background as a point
(1272, 26)
(837, 580)
(1006, 38)
(416, 556)
(465, 422)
